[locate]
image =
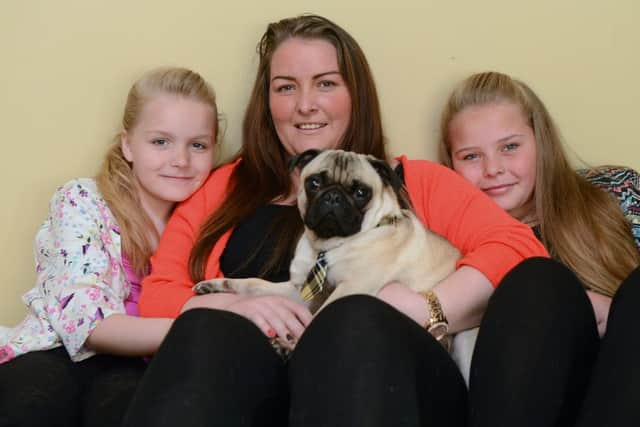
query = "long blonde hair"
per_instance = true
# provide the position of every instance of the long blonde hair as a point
(115, 178)
(580, 225)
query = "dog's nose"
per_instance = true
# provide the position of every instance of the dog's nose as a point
(332, 198)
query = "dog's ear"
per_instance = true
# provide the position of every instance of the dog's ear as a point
(388, 176)
(391, 178)
(302, 159)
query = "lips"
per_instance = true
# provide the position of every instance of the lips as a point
(179, 178)
(497, 190)
(309, 126)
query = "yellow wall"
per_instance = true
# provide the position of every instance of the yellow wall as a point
(65, 67)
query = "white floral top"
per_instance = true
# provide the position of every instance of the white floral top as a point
(80, 276)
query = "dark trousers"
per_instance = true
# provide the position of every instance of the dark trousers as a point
(45, 388)
(613, 395)
(360, 363)
(539, 362)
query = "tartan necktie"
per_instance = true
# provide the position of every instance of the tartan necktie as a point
(316, 278)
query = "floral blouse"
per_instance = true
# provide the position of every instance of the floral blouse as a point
(80, 275)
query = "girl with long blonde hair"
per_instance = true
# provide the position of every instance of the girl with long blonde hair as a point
(497, 133)
(572, 216)
(76, 356)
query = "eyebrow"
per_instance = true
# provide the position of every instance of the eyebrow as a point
(473, 147)
(157, 131)
(163, 133)
(506, 138)
(462, 150)
(317, 76)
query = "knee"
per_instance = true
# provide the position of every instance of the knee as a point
(359, 327)
(39, 388)
(356, 310)
(190, 327)
(541, 288)
(195, 317)
(203, 324)
(203, 331)
(541, 281)
(358, 319)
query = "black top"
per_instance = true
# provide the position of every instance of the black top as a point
(248, 239)
(538, 234)
(536, 231)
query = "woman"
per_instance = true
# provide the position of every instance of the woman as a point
(361, 361)
(498, 134)
(60, 365)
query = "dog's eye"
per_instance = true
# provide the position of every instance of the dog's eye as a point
(360, 193)
(313, 183)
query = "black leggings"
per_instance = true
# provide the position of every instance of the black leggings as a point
(45, 388)
(539, 362)
(613, 396)
(359, 363)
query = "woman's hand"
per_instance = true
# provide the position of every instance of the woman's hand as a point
(406, 301)
(601, 305)
(276, 316)
(463, 296)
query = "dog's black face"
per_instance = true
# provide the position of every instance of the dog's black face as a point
(343, 193)
(335, 208)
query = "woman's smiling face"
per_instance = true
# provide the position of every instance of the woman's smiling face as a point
(308, 98)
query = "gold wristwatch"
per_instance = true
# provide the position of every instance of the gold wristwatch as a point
(437, 324)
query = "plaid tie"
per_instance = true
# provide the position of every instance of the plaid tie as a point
(316, 278)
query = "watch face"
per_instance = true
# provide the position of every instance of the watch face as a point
(438, 330)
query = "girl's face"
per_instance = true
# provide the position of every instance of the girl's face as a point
(171, 148)
(309, 101)
(494, 148)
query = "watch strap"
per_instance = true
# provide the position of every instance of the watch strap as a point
(437, 319)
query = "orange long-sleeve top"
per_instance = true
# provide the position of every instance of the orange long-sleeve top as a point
(488, 238)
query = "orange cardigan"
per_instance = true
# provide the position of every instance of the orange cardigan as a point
(489, 239)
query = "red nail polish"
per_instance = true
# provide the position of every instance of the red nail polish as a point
(271, 333)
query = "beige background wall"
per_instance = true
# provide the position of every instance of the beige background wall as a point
(66, 67)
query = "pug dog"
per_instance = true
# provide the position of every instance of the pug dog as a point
(358, 220)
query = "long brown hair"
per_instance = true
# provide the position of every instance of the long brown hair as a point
(581, 225)
(115, 178)
(262, 175)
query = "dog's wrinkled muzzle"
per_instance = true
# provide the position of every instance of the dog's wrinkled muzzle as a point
(332, 214)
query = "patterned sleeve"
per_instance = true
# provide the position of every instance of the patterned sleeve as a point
(624, 184)
(80, 280)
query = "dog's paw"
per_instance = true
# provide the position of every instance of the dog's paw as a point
(280, 349)
(212, 286)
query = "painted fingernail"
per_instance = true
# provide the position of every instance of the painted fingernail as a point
(271, 333)
(290, 338)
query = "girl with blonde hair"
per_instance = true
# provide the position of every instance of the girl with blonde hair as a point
(75, 358)
(498, 134)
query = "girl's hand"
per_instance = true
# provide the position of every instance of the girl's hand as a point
(601, 305)
(276, 316)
